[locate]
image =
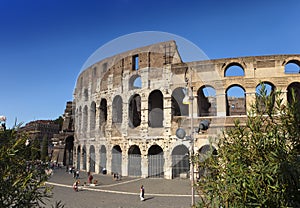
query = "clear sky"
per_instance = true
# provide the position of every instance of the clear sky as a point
(44, 44)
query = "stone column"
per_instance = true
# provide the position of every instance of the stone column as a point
(124, 167)
(221, 102)
(144, 166)
(168, 165)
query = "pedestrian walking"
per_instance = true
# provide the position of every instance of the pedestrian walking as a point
(142, 193)
(75, 185)
(77, 174)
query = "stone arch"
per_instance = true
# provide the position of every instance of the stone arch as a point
(206, 99)
(156, 162)
(178, 108)
(292, 67)
(79, 119)
(117, 109)
(235, 100)
(85, 119)
(134, 161)
(135, 82)
(155, 109)
(93, 117)
(180, 161)
(294, 87)
(264, 89)
(116, 161)
(134, 111)
(103, 158)
(92, 159)
(84, 157)
(78, 156)
(86, 94)
(234, 69)
(204, 152)
(68, 153)
(102, 113)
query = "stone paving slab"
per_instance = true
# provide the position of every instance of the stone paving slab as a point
(126, 184)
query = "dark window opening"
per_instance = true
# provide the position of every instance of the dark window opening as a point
(135, 111)
(117, 109)
(207, 104)
(155, 109)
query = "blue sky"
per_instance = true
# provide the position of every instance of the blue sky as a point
(44, 44)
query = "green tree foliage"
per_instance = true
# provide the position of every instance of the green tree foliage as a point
(22, 177)
(257, 163)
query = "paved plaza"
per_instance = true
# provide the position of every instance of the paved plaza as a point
(124, 193)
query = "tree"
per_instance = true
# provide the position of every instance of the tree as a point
(257, 164)
(22, 181)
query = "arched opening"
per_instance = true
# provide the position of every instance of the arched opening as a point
(116, 162)
(178, 108)
(79, 120)
(135, 82)
(155, 162)
(234, 69)
(292, 67)
(265, 89)
(93, 119)
(134, 161)
(92, 158)
(103, 158)
(235, 101)
(68, 153)
(180, 161)
(78, 157)
(85, 120)
(134, 111)
(102, 114)
(293, 94)
(205, 152)
(207, 104)
(155, 109)
(117, 109)
(86, 95)
(84, 158)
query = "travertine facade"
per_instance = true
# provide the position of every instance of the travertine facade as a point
(129, 106)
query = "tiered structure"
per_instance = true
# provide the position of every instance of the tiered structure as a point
(129, 106)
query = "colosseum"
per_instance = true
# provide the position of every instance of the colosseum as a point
(128, 107)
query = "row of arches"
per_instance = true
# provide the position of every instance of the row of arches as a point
(237, 69)
(156, 159)
(206, 106)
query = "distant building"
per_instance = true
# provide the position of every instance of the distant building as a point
(63, 141)
(40, 128)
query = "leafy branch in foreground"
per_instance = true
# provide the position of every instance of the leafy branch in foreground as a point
(257, 163)
(23, 177)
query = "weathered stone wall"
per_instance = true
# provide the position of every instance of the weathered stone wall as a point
(126, 130)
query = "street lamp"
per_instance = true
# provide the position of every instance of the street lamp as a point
(181, 134)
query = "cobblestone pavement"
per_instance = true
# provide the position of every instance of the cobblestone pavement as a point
(123, 193)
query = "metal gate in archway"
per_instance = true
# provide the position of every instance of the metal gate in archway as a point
(156, 166)
(134, 165)
(116, 163)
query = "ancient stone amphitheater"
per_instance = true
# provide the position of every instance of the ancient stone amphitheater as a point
(129, 106)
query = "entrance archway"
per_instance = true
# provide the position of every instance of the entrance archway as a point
(180, 161)
(134, 161)
(116, 162)
(155, 162)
